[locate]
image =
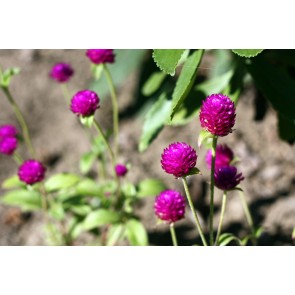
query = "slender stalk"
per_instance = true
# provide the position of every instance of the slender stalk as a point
(65, 92)
(214, 144)
(193, 211)
(21, 120)
(173, 234)
(17, 158)
(115, 108)
(221, 217)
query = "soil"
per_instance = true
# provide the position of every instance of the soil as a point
(266, 162)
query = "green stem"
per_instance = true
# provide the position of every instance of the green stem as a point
(173, 234)
(21, 120)
(65, 92)
(115, 108)
(221, 217)
(214, 144)
(193, 210)
(17, 158)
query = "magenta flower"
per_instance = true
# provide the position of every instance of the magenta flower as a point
(169, 206)
(31, 171)
(217, 114)
(178, 159)
(61, 72)
(101, 56)
(8, 145)
(84, 103)
(226, 178)
(8, 131)
(121, 170)
(224, 155)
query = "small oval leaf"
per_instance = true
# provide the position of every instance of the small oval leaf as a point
(61, 181)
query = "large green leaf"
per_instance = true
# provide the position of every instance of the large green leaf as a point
(27, 200)
(89, 187)
(167, 59)
(153, 83)
(155, 119)
(247, 52)
(12, 182)
(185, 81)
(115, 233)
(136, 233)
(100, 217)
(61, 181)
(150, 188)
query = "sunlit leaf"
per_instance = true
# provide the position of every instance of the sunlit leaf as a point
(247, 52)
(136, 233)
(61, 181)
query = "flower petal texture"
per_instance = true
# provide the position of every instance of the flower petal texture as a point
(178, 159)
(101, 56)
(224, 155)
(61, 72)
(217, 114)
(31, 171)
(227, 177)
(121, 170)
(8, 131)
(8, 145)
(169, 206)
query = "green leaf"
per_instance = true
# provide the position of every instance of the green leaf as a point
(100, 217)
(27, 200)
(203, 135)
(193, 171)
(61, 181)
(154, 122)
(247, 52)
(167, 59)
(258, 232)
(286, 128)
(115, 232)
(87, 121)
(97, 70)
(7, 75)
(89, 187)
(136, 233)
(150, 188)
(185, 81)
(86, 162)
(13, 182)
(226, 238)
(153, 83)
(81, 210)
(129, 190)
(57, 211)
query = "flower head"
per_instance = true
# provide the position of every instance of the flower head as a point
(169, 206)
(8, 145)
(227, 177)
(121, 170)
(178, 159)
(224, 155)
(85, 103)
(217, 114)
(100, 56)
(31, 171)
(61, 72)
(8, 131)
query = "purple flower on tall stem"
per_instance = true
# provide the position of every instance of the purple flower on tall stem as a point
(224, 155)
(121, 170)
(8, 131)
(217, 114)
(101, 56)
(169, 206)
(61, 72)
(84, 103)
(31, 171)
(178, 159)
(8, 145)
(227, 177)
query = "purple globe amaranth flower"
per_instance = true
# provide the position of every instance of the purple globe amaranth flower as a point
(84, 103)
(227, 177)
(224, 155)
(8, 145)
(101, 56)
(31, 171)
(217, 114)
(61, 72)
(8, 131)
(169, 206)
(178, 159)
(121, 170)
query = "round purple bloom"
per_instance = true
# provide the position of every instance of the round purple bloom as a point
(101, 56)
(8, 131)
(84, 103)
(61, 72)
(121, 170)
(31, 171)
(224, 155)
(217, 114)
(8, 145)
(227, 178)
(169, 206)
(178, 159)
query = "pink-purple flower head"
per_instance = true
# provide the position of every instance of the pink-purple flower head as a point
(101, 56)
(227, 177)
(169, 206)
(8, 131)
(178, 159)
(31, 171)
(61, 72)
(121, 170)
(85, 103)
(217, 114)
(8, 145)
(224, 156)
